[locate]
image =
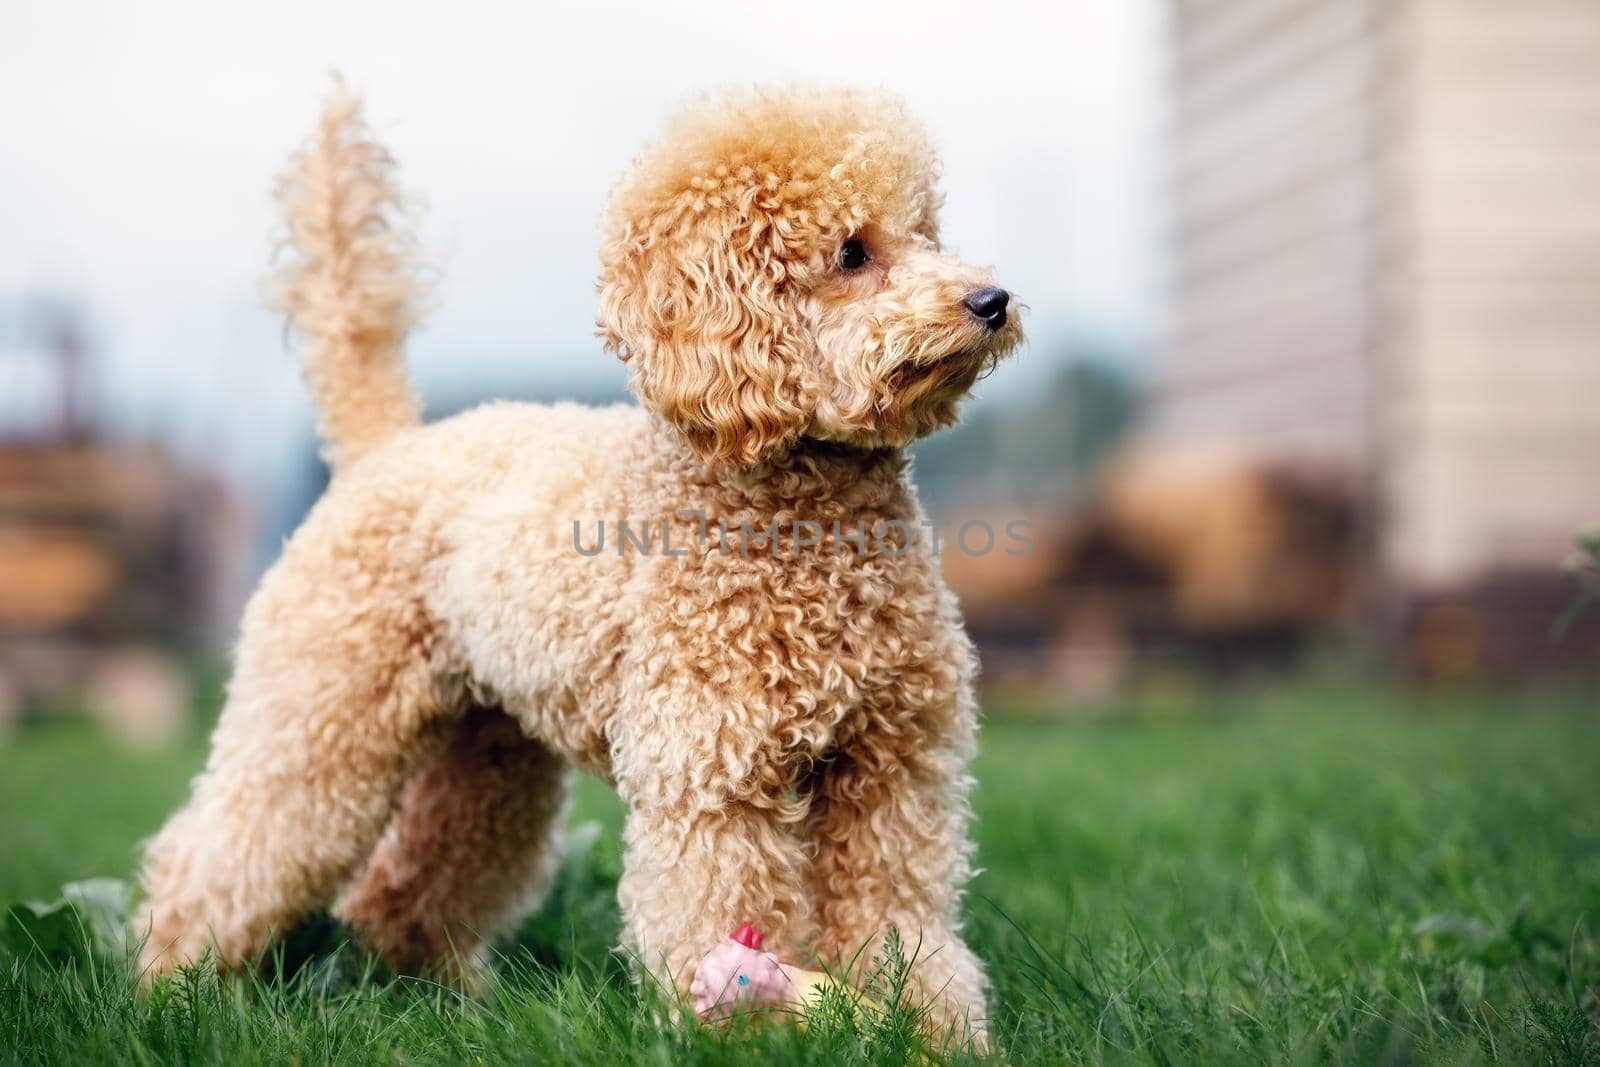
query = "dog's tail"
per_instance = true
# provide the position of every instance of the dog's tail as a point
(350, 287)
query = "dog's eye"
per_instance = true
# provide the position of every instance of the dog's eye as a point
(852, 255)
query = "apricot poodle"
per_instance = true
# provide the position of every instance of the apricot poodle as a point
(781, 692)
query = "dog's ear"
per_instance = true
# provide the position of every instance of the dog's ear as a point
(695, 302)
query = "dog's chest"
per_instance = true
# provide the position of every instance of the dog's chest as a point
(804, 628)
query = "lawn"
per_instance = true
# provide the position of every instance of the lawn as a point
(1292, 872)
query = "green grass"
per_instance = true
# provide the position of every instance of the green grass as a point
(1294, 873)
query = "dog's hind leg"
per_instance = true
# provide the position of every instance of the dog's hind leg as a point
(473, 847)
(334, 699)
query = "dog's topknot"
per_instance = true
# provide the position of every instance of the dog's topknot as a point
(817, 158)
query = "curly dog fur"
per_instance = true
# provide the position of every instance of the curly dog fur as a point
(790, 725)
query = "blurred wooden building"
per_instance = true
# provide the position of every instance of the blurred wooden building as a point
(1386, 249)
(113, 555)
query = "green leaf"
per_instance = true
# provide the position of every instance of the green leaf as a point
(1460, 936)
(104, 905)
(49, 929)
(1589, 541)
(91, 917)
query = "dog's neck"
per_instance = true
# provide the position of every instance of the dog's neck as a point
(821, 470)
(810, 472)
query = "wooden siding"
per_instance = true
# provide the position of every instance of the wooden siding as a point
(1491, 427)
(1386, 251)
(1273, 228)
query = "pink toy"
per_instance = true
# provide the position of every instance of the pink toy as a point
(737, 976)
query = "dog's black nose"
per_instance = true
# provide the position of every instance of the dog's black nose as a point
(989, 305)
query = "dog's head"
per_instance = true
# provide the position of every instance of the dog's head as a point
(771, 271)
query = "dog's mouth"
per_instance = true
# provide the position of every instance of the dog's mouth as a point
(986, 351)
(921, 390)
(929, 389)
(929, 383)
(967, 363)
(929, 372)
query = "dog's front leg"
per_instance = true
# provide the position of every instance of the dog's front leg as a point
(709, 837)
(889, 823)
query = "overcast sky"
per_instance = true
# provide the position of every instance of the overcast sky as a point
(138, 144)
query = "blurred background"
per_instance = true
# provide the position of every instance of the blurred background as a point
(1313, 372)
